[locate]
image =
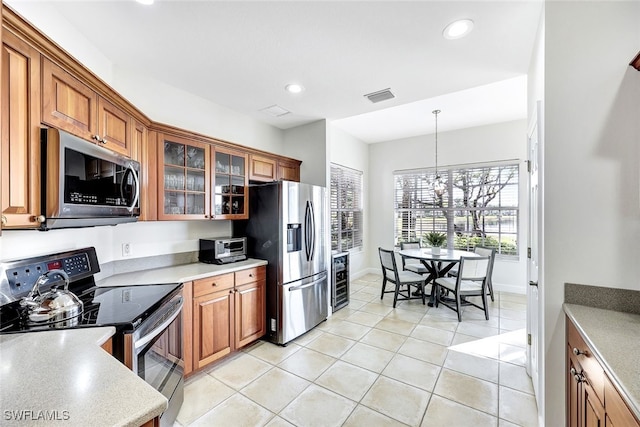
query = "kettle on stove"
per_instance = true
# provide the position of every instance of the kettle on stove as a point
(56, 304)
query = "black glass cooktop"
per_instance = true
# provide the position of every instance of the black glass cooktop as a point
(124, 307)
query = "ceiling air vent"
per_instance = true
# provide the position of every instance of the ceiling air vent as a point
(381, 95)
(275, 111)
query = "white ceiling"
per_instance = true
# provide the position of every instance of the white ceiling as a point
(241, 54)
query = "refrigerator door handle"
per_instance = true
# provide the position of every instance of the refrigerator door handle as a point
(312, 224)
(308, 231)
(297, 288)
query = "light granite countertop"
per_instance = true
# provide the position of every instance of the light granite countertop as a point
(177, 274)
(614, 337)
(64, 377)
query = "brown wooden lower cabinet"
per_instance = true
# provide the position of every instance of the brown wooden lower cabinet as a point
(108, 346)
(250, 313)
(152, 423)
(212, 332)
(592, 400)
(228, 312)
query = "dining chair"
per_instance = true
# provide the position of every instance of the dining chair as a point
(491, 253)
(471, 281)
(403, 280)
(483, 251)
(412, 264)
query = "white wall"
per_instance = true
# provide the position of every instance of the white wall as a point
(592, 163)
(505, 141)
(346, 150)
(146, 238)
(166, 104)
(309, 144)
(45, 17)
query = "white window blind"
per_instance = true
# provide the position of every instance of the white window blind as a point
(479, 208)
(346, 208)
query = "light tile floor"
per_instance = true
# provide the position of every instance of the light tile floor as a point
(372, 365)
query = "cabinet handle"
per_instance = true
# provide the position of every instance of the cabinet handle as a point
(4, 220)
(577, 376)
(578, 352)
(40, 219)
(250, 274)
(104, 141)
(97, 138)
(214, 284)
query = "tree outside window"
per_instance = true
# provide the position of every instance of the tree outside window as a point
(480, 207)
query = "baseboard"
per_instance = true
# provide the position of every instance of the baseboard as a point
(503, 287)
(364, 272)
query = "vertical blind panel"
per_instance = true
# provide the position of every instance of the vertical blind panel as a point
(346, 208)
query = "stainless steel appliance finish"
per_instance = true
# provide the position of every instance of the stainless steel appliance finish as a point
(158, 356)
(287, 226)
(18, 277)
(86, 185)
(222, 250)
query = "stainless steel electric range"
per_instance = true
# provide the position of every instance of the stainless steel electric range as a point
(147, 318)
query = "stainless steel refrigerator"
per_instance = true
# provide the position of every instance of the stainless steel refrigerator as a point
(287, 226)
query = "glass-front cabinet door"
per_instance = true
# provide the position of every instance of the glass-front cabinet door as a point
(184, 168)
(230, 185)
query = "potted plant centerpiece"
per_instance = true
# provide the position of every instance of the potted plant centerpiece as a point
(436, 240)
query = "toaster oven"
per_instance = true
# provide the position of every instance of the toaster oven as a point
(222, 250)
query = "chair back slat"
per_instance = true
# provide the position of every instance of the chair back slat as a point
(387, 259)
(473, 268)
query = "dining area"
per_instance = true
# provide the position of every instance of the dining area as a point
(455, 278)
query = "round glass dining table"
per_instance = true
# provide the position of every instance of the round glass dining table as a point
(437, 265)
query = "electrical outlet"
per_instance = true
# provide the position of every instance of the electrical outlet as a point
(127, 249)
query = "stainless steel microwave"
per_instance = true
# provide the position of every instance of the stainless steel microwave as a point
(84, 184)
(222, 250)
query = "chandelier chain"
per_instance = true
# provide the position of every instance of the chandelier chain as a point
(436, 112)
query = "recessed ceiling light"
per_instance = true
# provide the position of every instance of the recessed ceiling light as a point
(145, 2)
(294, 88)
(458, 29)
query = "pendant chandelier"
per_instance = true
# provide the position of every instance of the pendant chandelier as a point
(439, 187)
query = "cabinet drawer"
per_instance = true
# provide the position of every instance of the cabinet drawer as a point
(212, 284)
(250, 275)
(591, 367)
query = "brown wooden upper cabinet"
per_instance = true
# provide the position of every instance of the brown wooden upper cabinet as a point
(267, 169)
(184, 176)
(20, 160)
(289, 170)
(69, 104)
(230, 184)
(263, 169)
(200, 181)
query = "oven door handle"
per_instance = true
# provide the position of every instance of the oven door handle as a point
(157, 331)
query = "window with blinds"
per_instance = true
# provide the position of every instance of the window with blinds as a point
(346, 208)
(479, 207)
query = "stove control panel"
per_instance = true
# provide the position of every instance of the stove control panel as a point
(18, 277)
